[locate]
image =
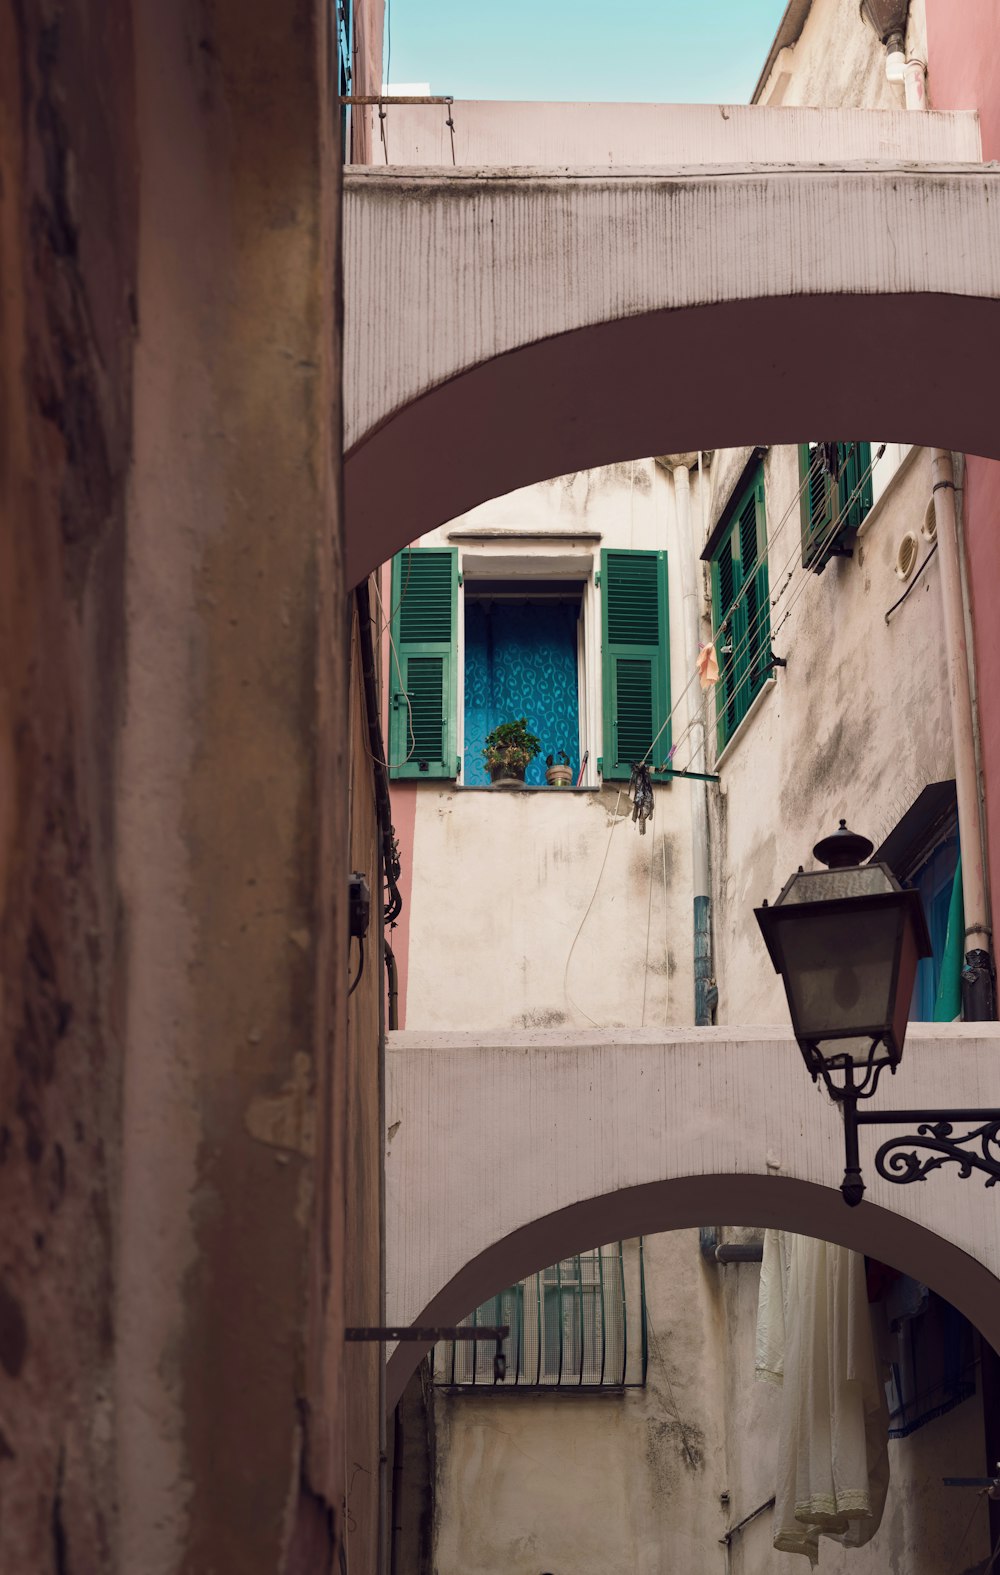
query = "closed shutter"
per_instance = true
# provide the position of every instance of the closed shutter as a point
(636, 662)
(423, 663)
(741, 610)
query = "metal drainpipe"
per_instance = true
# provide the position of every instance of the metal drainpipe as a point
(978, 995)
(705, 992)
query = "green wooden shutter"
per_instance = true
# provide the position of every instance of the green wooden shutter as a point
(423, 663)
(855, 495)
(814, 508)
(853, 499)
(741, 610)
(636, 659)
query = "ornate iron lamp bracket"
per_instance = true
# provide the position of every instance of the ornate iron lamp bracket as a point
(933, 1143)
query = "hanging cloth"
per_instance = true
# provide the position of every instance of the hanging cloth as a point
(707, 666)
(948, 1001)
(814, 1338)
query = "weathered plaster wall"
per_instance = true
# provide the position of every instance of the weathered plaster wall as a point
(67, 317)
(837, 61)
(628, 1481)
(234, 820)
(855, 726)
(503, 881)
(363, 1363)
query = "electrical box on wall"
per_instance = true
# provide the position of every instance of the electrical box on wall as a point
(359, 904)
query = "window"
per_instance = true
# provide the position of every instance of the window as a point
(569, 1328)
(523, 646)
(922, 851)
(835, 500)
(932, 1364)
(741, 612)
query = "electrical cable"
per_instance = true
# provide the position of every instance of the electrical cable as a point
(768, 604)
(649, 916)
(743, 591)
(361, 966)
(916, 575)
(703, 706)
(569, 956)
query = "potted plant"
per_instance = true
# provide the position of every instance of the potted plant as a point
(510, 748)
(559, 772)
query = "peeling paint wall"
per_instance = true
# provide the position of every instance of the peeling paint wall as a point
(586, 1484)
(173, 834)
(67, 319)
(503, 882)
(837, 61)
(363, 1363)
(856, 725)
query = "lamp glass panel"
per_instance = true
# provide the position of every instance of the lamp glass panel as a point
(838, 972)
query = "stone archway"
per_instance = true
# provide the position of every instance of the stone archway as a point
(521, 325)
(505, 1156)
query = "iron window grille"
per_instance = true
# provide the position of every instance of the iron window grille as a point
(569, 1329)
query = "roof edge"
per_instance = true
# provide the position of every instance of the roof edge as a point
(789, 30)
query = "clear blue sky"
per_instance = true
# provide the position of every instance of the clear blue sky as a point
(661, 51)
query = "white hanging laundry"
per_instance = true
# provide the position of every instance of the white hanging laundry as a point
(814, 1338)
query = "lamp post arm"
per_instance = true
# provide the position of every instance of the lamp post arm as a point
(934, 1143)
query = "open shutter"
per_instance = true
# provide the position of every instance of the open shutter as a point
(740, 601)
(853, 499)
(855, 494)
(815, 507)
(423, 663)
(636, 662)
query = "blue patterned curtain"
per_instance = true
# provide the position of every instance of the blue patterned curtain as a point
(520, 660)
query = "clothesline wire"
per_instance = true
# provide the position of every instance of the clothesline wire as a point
(745, 589)
(770, 602)
(615, 822)
(702, 706)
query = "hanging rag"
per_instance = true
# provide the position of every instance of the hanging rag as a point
(814, 1338)
(707, 666)
(641, 787)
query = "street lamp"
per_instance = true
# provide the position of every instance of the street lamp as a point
(846, 941)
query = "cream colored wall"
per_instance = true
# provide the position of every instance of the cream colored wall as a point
(857, 734)
(837, 61)
(566, 1482)
(505, 880)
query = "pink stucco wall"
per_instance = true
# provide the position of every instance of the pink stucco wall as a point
(964, 73)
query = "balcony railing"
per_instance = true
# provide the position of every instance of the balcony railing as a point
(570, 1328)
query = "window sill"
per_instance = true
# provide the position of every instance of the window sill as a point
(527, 787)
(766, 688)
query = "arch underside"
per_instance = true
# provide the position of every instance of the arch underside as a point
(913, 368)
(681, 1203)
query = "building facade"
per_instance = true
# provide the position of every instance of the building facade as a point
(816, 584)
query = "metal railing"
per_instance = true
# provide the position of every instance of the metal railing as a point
(569, 1328)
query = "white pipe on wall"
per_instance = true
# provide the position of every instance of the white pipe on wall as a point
(691, 600)
(977, 916)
